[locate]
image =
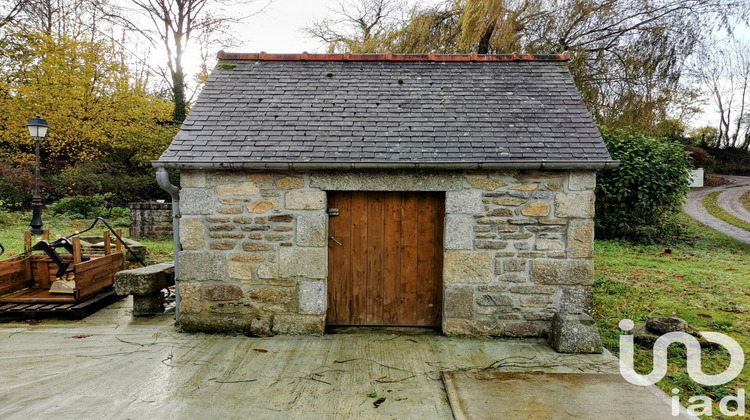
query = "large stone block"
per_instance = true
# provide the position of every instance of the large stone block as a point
(312, 298)
(566, 272)
(216, 323)
(197, 201)
(471, 327)
(577, 300)
(575, 205)
(240, 188)
(509, 201)
(463, 202)
(145, 280)
(312, 229)
(290, 183)
(468, 267)
(305, 200)
(272, 295)
(267, 271)
(298, 324)
(145, 305)
(191, 299)
(487, 184)
(536, 209)
(574, 333)
(582, 181)
(222, 292)
(459, 302)
(387, 181)
(581, 239)
(192, 179)
(260, 207)
(240, 271)
(459, 231)
(203, 266)
(303, 262)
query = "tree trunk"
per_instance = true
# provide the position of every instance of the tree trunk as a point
(178, 83)
(178, 89)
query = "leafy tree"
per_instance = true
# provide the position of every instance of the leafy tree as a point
(640, 198)
(82, 88)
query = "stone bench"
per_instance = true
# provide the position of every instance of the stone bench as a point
(146, 285)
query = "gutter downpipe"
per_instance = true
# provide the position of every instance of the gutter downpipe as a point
(162, 179)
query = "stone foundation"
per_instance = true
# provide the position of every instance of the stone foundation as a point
(518, 248)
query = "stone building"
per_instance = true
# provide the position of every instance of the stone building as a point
(453, 191)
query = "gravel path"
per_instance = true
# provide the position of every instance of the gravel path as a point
(695, 209)
(729, 200)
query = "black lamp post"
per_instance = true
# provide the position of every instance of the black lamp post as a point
(38, 129)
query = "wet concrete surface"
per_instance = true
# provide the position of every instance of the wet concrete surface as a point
(113, 366)
(556, 396)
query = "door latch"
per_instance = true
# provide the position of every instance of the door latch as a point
(333, 212)
(334, 240)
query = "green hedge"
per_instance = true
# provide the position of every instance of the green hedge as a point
(639, 199)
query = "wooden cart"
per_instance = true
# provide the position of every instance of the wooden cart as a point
(25, 280)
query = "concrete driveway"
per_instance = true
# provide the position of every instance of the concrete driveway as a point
(728, 200)
(111, 366)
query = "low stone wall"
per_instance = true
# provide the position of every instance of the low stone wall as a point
(150, 219)
(518, 248)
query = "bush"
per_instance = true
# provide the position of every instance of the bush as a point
(16, 186)
(639, 200)
(90, 207)
(121, 184)
(79, 207)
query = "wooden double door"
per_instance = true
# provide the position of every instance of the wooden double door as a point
(385, 258)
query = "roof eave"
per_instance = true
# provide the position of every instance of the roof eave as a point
(308, 166)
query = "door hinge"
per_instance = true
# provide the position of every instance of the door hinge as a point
(333, 212)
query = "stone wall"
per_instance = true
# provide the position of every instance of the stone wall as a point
(518, 248)
(149, 219)
(254, 253)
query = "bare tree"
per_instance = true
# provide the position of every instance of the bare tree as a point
(725, 74)
(10, 10)
(359, 26)
(174, 24)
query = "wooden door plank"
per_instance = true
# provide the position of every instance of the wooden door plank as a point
(344, 235)
(425, 249)
(358, 258)
(392, 259)
(407, 312)
(375, 258)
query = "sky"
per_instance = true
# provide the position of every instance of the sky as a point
(278, 29)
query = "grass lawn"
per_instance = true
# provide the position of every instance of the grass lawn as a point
(745, 200)
(704, 279)
(13, 226)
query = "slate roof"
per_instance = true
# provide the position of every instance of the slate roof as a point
(259, 110)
